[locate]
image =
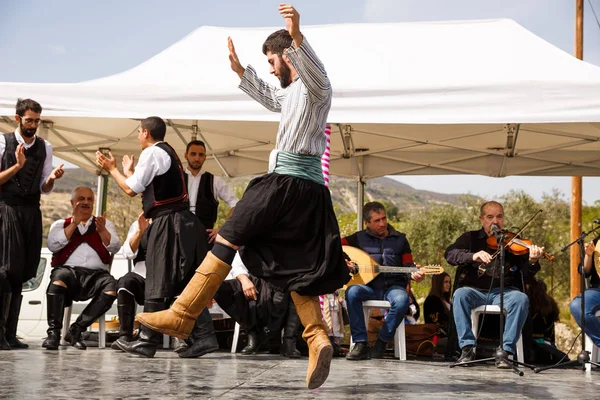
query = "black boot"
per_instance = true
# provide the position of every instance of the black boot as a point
(97, 307)
(360, 351)
(252, 344)
(180, 345)
(4, 310)
(203, 337)
(149, 340)
(55, 307)
(13, 319)
(126, 310)
(378, 349)
(467, 354)
(290, 330)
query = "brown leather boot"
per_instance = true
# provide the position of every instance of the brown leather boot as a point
(179, 320)
(320, 350)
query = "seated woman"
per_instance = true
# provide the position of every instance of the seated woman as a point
(544, 312)
(437, 303)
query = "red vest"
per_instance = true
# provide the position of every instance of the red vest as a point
(91, 237)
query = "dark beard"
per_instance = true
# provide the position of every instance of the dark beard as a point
(28, 133)
(285, 76)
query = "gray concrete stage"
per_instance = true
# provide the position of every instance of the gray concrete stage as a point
(107, 374)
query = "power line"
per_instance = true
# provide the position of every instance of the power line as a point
(594, 12)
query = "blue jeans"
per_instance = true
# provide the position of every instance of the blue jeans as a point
(592, 305)
(356, 294)
(516, 305)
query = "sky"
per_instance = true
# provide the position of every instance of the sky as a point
(72, 41)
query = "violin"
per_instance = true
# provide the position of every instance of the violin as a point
(515, 245)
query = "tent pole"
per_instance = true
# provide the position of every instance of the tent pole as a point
(360, 201)
(576, 181)
(101, 194)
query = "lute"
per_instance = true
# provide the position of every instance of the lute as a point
(365, 268)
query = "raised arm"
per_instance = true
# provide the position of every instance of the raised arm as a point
(303, 57)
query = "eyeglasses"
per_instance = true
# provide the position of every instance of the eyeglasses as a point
(31, 121)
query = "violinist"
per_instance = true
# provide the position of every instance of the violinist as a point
(472, 253)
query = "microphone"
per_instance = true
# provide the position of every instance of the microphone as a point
(496, 229)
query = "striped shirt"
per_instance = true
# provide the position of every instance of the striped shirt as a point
(304, 105)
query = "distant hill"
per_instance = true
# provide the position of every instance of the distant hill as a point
(344, 191)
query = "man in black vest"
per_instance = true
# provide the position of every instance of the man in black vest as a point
(205, 189)
(82, 247)
(176, 240)
(25, 172)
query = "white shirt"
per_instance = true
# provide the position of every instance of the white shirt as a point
(46, 169)
(84, 256)
(237, 267)
(220, 189)
(153, 162)
(140, 266)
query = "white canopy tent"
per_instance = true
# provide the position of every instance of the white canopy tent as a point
(471, 97)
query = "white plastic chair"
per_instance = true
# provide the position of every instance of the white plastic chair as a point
(236, 336)
(494, 309)
(593, 349)
(400, 334)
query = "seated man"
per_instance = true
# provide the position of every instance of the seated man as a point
(477, 288)
(388, 247)
(131, 286)
(256, 305)
(130, 290)
(592, 296)
(82, 247)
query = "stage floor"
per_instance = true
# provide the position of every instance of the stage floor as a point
(104, 373)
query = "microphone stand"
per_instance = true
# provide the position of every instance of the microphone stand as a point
(584, 356)
(501, 354)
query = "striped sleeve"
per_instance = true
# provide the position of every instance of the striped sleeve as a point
(260, 90)
(311, 70)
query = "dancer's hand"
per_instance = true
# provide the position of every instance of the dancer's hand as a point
(212, 235)
(236, 66)
(127, 164)
(106, 162)
(20, 156)
(292, 22)
(142, 222)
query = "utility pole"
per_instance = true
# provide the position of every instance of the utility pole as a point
(576, 181)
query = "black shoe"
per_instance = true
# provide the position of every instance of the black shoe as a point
(125, 338)
(74, 337)
(52, 341)
(337, 349)
(503, 363)
(179, 345)
(288, 348)
(4, 309)
(360, 351)
(252, 345)
(138, 347)
(17, 344)
(200, 347)
(467, 354)
(378, 350)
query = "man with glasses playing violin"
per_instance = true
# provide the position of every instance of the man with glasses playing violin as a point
(25, 172)
(478, 287)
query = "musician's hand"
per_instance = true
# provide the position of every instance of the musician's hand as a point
(417, 276)
(482, 256)
(535, 253)
(350, 265)
(589, 248)
(248, 287)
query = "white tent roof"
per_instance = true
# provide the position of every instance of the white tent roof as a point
(472, 97)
